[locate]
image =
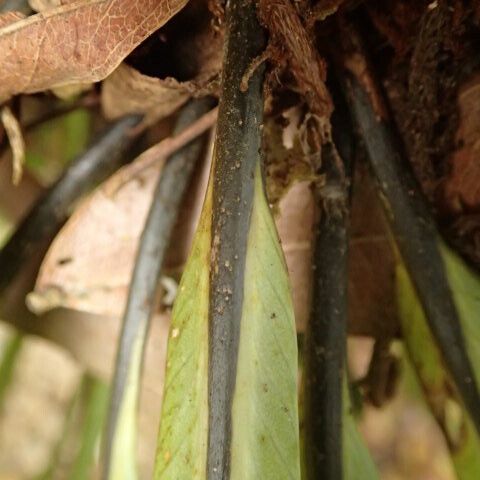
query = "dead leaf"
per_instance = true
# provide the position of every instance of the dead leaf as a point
(127, 90)
(371, 262)
(88, 266)
(17, 143)
(64, 92)
(295, 228)
(81, 42)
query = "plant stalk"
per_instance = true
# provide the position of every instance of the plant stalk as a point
(237, 148)
(325, 338)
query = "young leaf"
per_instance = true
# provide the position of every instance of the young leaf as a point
(182, 443)
(465, 285)
(121, 460)
(96, 402)
(264, 413)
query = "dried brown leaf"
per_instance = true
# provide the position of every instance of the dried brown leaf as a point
(81, 42)
(127, 90)
(89, 265)
(371, 263)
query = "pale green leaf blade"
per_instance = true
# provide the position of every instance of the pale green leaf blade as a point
(265, 438)
(465, 286)
(122, 464)
(182, 442)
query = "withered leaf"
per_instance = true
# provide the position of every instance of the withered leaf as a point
(89, 265)
(80, 42)
(294, 223)
(127, 90)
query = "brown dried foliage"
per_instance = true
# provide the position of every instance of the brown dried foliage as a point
(80, 42)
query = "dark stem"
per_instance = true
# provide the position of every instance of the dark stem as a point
(169, 192)
(236, 155)
(325, 337)
(42, 223)
(412, 223)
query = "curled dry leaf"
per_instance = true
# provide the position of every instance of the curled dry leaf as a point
(89, 265)
(81, 42)
(103, 234)
(127, 90)
(102, 237)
